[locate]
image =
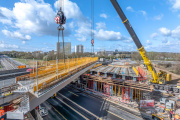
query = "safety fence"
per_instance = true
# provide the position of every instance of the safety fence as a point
(56, 71)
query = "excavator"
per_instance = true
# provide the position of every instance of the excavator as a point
(156, 78)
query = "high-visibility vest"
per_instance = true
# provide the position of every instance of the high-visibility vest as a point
(2, 113)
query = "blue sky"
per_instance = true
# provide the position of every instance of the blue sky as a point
(28, 25)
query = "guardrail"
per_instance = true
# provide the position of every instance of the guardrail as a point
(65, 71)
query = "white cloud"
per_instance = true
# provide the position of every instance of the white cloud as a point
(165, 31)
(147, 47)
(164, 40)
(23, 42)
(149, 42)
(175, 4)
(16, 35)
(143, 12)
(71, 25)
(101, 25)
(6, 21)
(103, 15)
(110, 36)
(159, 17)
(71, 9)
(36, 17)
(6, 13)
(107, 35)
(154, 35)
(179, 15)
(129, 8)
(5, 46)
(170, 33)
(176, 32)
(83, 31)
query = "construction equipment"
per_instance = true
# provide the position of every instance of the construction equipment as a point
(157, 117)
(43, 111)
(157, 78)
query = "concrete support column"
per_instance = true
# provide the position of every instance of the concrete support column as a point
(123, 77)
(105, 75)
(139, 95)
(134, 79)
(114, 75)
(101, 86)
(123, 93)
(135, 94)
(119, 90)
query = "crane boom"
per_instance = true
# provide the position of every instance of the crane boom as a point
(136, 40)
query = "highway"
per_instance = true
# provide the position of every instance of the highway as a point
(72, 104)
(8, 63)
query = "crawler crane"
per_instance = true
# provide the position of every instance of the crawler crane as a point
(158, 79)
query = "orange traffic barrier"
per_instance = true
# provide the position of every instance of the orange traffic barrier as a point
(22, 66)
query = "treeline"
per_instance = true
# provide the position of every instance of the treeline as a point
(23, 55)
(41, 55)
(133, 55)
(157, 56)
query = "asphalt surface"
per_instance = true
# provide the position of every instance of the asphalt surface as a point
(72, 104)
(7, 82)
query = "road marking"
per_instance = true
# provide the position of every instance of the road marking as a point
(107, 100)
(73, 93)
(73, 109)
(57, 111)
(126, 111)
(115, 115)
(80, 107)
(87, 94)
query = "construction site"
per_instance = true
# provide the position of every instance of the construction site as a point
(86, 86)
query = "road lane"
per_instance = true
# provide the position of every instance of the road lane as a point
(65, 110)
(97, 105)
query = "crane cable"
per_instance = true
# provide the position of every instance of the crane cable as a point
(92, 23)
(61, 3)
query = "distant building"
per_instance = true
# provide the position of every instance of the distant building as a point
(51, 52)
(109, 53)
(116, 51)
(79, 49)
(37, 53)
(101, 53)
(67, 48)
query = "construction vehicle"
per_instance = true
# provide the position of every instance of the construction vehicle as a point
(43, 111)
(157, 79)
(157, 117)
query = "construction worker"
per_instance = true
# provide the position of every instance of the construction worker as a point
(170, 114)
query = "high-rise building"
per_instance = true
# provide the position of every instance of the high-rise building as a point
(67, 48)
(79, 49)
